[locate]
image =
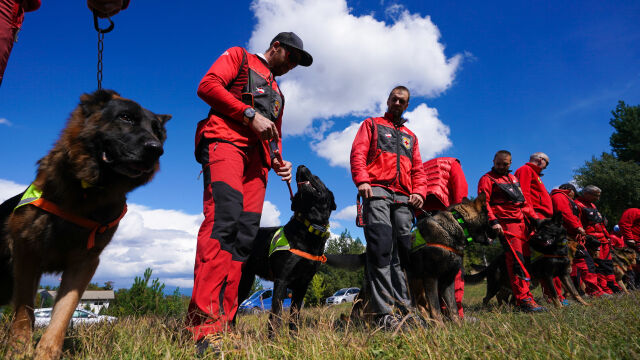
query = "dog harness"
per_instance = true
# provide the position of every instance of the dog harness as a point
(460, 220)
(537, 255)
(279, 241)
(33, 196)
(418, 242)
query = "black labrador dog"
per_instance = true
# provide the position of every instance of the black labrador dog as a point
(291, 255)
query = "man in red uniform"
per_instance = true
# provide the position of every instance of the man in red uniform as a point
(446, 186)
(529, 175)
(630, 226)
(387, 169)
(12, 15)
(582, 268)
(507, 209)
(594, 225)
(235, 145)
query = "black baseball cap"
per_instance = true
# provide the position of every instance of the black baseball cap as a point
(292, 40)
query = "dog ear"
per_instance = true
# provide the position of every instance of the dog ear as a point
(333, 201)
(481, 201)
(164, 118)
(91, 103)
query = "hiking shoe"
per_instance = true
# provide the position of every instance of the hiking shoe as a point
(211, 342)
(565, 302)
(528, 305)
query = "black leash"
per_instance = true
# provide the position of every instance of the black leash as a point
(101, 33)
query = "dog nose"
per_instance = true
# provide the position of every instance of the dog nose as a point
(153, 149)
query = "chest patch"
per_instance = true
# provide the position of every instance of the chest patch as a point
(406, 142)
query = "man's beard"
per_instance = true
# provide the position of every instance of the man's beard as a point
(501, 172)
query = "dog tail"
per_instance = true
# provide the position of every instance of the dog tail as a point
(6, 265)
(346, 261)
(477, 277)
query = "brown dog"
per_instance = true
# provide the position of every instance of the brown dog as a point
(623, 260)
(69, 214)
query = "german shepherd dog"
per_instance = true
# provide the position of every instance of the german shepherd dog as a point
(550, 257)
(433, 264)
(65, 219)
(623, 260)
(290, 256)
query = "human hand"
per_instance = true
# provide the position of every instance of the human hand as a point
(581, 231)
(497, 228)
(105, 8)
(282, 170)
(365, 190)
(416, 200)
(264, 128)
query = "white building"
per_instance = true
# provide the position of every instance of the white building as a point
(95, 299)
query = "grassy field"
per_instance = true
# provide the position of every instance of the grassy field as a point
(609, 329)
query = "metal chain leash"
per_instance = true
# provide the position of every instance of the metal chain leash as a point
(100, 48)
(101, 33)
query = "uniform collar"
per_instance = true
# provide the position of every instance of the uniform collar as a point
(535, 168)
(389, 117)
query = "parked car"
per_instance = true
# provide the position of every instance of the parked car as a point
(80, 316)
(261, 301)
(343, 295)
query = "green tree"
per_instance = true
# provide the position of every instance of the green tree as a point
(625, 140)
(336, 279)
(257, 286)
(618, 180)
(315, 293)
(145, 299)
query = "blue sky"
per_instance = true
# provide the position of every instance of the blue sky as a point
(522, 76)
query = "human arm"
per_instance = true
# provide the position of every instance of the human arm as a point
(525, 176)
(485, 185)
(359, 152)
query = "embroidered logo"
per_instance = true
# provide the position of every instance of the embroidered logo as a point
(260, 90)
(276, 108)
(387, 135)
(406, 142)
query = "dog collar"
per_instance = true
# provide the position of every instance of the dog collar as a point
(463, 225)
(322, 231)
(280, 242)
(33, 196)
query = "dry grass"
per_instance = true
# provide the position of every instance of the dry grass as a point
(609, 329)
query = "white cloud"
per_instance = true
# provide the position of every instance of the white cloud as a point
(433, 137)
(336, 147)
(357, 59)
(270, 215)
(161, 239)
(348, 213)
(4, 121)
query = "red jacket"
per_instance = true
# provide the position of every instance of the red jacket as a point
(630, 224)
(616, 241)
(501, 204)
(570, 211)
(534, 191)
(592, 220)
(446, 184)
(221, 88)
(388, 156)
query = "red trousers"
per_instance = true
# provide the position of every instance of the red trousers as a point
(515, 234)
(11, 14)
(234, 186)
(459, 292)
(580, 272)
